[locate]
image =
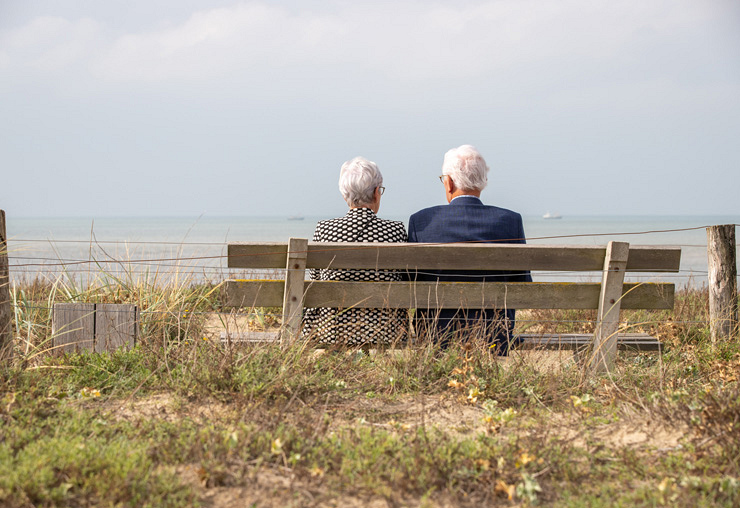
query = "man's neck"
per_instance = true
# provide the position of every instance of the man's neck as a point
(458, 193)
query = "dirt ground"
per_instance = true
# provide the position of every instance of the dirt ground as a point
(451, 413)
(278, 487)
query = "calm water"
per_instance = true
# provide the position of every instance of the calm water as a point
(83, 247)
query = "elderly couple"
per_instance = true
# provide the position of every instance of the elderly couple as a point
(464, 219)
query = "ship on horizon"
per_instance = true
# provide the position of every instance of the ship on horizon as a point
(549, 215)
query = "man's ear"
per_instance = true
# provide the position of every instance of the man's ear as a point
(449, 185)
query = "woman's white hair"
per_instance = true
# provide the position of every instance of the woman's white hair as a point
(358, 180)
(467, 168)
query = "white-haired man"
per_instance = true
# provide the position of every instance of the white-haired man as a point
(466, 219)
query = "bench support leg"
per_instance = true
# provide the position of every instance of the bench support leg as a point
(294, 288)
(604, 350)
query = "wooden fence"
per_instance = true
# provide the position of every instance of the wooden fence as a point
(722, 279)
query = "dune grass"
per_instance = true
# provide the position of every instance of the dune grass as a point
(183, 420)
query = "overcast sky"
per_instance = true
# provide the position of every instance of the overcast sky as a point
(181, 107)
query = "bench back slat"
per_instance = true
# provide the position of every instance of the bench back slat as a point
(471, 295)
(463, 256)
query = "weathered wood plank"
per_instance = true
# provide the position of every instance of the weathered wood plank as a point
(252, 337)
(575, 341)
(6, 312)
(115, 326)
(722, 267)
(528, 341)
(530, 295)
(73, 327)
(294, 283)
(252, 293)
(465, 256)
(654, 258)
(257, 255)
(604, 352)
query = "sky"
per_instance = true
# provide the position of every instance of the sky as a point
(231, 108)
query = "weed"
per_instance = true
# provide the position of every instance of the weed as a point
(419, 425)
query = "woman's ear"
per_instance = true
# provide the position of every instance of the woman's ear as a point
(376, 200)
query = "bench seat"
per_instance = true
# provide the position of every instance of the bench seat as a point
(528, 341)
(576, 341)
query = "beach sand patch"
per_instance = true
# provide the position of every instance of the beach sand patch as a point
(167, 407)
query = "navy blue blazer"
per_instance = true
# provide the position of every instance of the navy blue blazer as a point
(467, 219)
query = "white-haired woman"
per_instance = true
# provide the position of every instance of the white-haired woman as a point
(361, 185)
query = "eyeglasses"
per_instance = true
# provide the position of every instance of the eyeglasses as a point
(442, 178)
(381, 189)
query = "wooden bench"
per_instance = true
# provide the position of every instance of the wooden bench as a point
(608, 297)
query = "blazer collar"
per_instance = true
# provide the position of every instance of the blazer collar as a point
(466, 200)
(360, 212)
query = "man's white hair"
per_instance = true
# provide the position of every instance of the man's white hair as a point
(467, 168)
(358, 180)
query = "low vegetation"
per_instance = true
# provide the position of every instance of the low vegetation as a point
(184, 420)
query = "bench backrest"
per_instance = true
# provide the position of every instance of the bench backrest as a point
(297, 255)
(452, 256)
(405, 256)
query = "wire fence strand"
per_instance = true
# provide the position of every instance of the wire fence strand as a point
(203, 266)
(509, 240)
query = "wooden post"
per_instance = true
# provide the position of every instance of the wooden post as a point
(115, 326)
(93, 327)
(604, 351)
(721, 257)
(294, 284)
(6, 314)
(73, 327)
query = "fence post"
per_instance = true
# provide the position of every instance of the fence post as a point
(6, 315)
(295, 276)
(721, 257)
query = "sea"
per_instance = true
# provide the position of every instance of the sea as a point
(167, 248)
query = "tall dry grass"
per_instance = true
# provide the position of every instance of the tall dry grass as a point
(351, 421)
